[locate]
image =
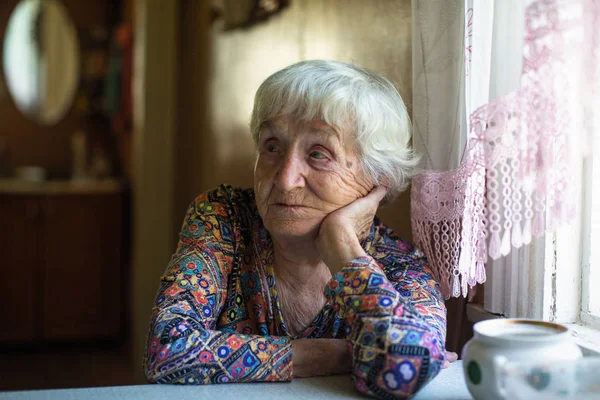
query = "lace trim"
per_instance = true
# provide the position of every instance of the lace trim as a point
(514, 182)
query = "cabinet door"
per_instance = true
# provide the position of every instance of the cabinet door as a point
(83, 268)
(20, 227)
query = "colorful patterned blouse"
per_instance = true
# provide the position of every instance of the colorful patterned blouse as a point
(217, 316)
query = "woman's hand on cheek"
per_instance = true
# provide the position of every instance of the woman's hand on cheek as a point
(341, 231)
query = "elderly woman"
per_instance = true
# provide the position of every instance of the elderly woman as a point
(297, 277)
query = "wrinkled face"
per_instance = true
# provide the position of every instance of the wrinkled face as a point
(304, 171)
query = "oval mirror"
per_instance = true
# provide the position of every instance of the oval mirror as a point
(41, 60)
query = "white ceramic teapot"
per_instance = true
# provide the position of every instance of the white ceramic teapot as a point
(498, 343)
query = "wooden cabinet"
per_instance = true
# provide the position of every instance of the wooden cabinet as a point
(19, 268)
(61, 266)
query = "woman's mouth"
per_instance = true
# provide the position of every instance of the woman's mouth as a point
(292, 206)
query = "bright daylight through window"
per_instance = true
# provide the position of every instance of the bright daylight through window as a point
(590, 313)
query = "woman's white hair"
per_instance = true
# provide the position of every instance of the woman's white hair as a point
(353, 99)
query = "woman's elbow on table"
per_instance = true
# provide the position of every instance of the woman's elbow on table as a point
(178, 363)
(152, 376)
(181, 350)
(172, 351)
(402, 371)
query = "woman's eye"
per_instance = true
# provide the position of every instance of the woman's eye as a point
(272, 148)
(317, 155)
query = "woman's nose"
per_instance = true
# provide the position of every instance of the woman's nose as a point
(290, 174)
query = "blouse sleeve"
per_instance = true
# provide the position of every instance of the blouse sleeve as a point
(184, 344)
(396, 323)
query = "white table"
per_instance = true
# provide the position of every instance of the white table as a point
(448, 385)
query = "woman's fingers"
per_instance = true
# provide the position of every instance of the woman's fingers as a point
(451, 356)
(362, 211)
(365, 206)
(378, 193)
(374, 197)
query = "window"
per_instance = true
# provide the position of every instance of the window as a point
(590, 299)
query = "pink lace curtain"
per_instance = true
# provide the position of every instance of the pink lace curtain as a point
(512, 182)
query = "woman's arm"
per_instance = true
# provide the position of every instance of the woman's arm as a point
(397, 341)
(184, 345)
(396, 329)
(316, 357)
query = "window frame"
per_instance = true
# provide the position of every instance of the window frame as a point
(586, 316)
